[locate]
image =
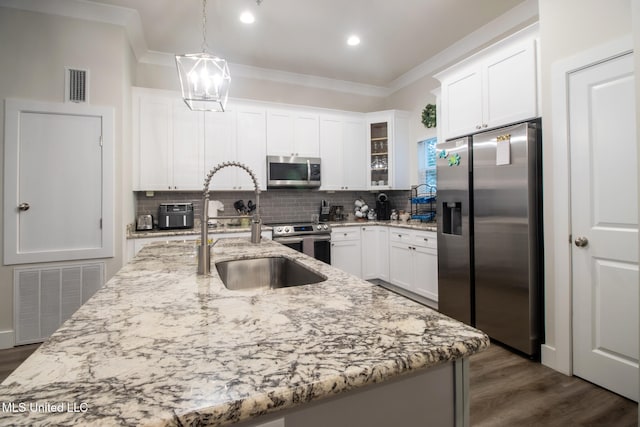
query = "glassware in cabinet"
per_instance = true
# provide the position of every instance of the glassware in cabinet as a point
(379, 149)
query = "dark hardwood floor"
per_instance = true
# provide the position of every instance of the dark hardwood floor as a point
(11, 358)
(507, 390)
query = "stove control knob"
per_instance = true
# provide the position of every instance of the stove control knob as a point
(286, 229)
(325, 226)
(318, 227)
(279, 230)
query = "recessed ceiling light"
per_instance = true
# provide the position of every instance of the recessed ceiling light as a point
(353, 40)
(247, 17)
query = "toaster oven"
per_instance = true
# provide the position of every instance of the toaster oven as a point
(175, 215)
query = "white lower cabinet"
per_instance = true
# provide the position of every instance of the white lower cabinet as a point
(425, 267)
(401, 265)
(346, 250)
(404, 257)
(413, 261)
(375, 252)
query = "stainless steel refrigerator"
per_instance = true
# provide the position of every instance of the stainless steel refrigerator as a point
(490, 233)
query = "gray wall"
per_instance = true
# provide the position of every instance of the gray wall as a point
(35, 49)
(567, 28)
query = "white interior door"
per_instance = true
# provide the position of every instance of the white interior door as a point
(604, 218)
(60, 177)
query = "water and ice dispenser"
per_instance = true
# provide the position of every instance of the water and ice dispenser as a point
(452, 218)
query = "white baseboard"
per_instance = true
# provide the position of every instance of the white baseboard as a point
(7, 340)
(548, 356)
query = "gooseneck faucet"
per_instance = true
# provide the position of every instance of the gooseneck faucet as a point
(204, 250)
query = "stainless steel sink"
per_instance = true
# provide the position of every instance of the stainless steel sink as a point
(267, 272)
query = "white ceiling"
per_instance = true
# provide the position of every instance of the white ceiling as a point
(304, 37)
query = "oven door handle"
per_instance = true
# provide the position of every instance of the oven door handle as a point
(286, 240)
(308, 171)
(324, 238)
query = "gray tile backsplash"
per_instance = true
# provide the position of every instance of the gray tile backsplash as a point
(276, 205)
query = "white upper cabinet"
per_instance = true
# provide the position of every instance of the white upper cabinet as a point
(251, 145)
(343, 152)
(461, 111)
(187, 164)
(174, 147)
(238, 134)
(292, 132)
(495, 87)
(219, 146)
(168, 141)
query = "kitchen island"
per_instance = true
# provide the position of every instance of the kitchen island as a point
(160, 345)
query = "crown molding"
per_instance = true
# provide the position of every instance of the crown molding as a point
(124, 17)
(129, 19)
(257, 73)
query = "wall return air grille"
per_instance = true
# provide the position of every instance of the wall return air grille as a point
(76, 85)
(44, 297)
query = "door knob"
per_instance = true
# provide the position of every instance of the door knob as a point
(581, 242)
(24, 206)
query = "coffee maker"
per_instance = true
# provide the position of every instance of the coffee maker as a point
(324, 211)
(383, 207)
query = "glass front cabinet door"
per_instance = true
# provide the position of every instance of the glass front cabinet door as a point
(379, 158)
(388, 150)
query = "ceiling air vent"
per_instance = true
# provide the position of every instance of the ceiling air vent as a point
(76, 85)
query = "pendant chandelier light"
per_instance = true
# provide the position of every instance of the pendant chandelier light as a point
(204, 78)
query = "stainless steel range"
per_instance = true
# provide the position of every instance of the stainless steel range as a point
(311, 239)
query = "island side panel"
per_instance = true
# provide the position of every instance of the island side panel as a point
(422, 399)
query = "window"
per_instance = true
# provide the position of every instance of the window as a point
(427, 162)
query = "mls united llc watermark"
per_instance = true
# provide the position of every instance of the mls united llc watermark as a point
(44, 407)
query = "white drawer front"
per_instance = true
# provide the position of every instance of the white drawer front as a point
(400, 235)
(427, 239)
(345, 233)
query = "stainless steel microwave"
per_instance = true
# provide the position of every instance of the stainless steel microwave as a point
(293, 172)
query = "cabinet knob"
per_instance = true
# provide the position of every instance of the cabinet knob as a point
(425, 239)
(484, 125)
(478, 127)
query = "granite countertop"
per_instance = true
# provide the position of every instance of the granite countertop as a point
(411, 224)
(414, 225)
(160, 345)
(195, 231)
